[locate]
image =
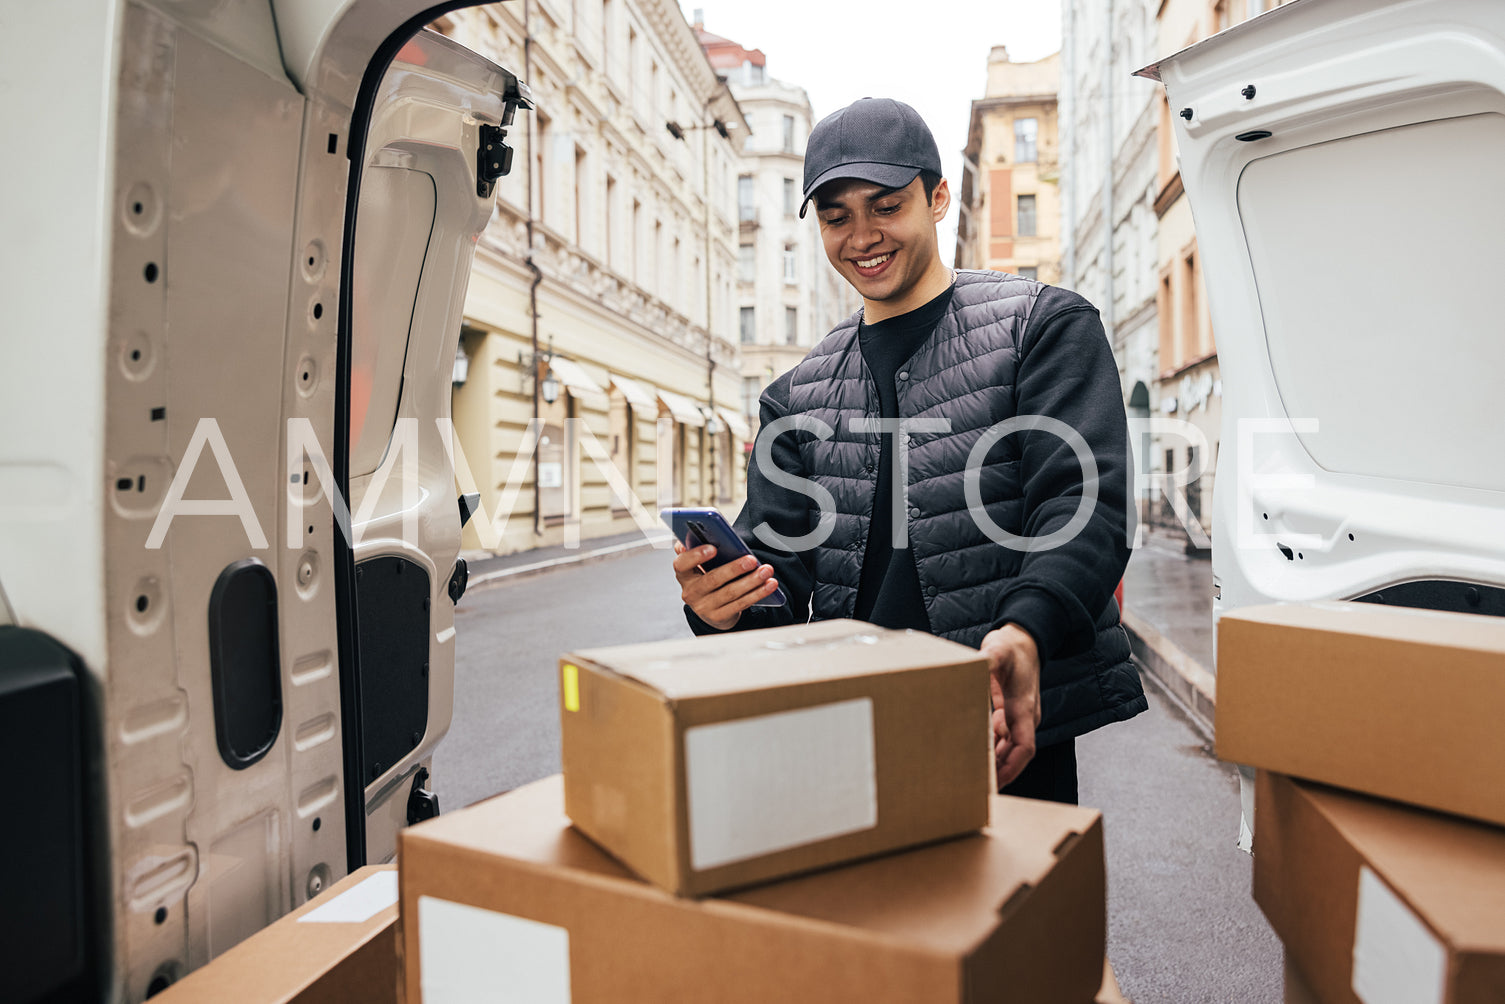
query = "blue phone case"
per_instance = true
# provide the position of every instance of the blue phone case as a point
(694, 526)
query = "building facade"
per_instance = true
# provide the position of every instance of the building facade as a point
(1188, 385)
(1110, 182)
(788, 296)
(1010, 207)
(599, 363)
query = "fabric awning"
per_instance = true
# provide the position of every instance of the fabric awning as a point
(735, 422)
(574, 377)
(682, 408)
(634, 392)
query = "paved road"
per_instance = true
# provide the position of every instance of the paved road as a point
(1182, 928)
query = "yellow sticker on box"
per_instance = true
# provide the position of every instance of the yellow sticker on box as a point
(571, 687)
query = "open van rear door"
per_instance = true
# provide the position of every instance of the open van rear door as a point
(1342, 159)
(235, 277)
(433, 150)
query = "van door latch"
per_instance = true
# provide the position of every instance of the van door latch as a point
(422, 803)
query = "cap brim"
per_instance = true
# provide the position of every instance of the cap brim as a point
(887, 175)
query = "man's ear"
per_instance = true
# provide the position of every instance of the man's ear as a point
(940, 201)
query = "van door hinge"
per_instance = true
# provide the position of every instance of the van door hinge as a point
(493, 159)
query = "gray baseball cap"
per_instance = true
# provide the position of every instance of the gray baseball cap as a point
(872, 139)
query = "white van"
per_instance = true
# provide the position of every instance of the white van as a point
(237, 238)
(1343, 159)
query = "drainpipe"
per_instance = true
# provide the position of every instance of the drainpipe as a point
(532, 265)
(1066, 130)
(710, 342)
(1107, 305)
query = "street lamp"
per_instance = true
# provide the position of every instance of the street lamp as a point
(548, 387)
(678, 131)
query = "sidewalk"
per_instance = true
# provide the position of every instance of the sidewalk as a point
(1168, 613)
(487, 567)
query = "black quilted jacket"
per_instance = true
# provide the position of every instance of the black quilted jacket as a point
(1007, 348)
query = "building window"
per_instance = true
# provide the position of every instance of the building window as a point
(747, 263)
(788, 133)
(611, 209)
(1164, 310)
(790, 206)
(1029, 272)
(1026, 216)
(1026, 134)
(791, 264)
(753, 73)
(751, 391)
(656, 252)
(606, 19)
(581, 173)
(541, 164)
(635, 242)
(747, 209)
(791, 326)
(1190, 336)
(632, 65)
(749, 322)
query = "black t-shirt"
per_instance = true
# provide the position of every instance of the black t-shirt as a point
(889, 592)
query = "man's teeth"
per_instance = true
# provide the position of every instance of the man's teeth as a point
(874, 262)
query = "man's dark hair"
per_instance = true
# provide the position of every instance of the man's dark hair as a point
(929, 179)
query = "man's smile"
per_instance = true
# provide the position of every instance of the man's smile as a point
(870, 267)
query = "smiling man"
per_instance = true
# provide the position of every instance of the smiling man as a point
(951, 459)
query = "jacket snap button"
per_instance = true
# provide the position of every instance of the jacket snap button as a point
(914, 514)
(931, 591)
(904, 374)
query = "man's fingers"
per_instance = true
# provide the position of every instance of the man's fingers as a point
(1012, 762)
(738, 596)
(686, 560)
(1001, 734)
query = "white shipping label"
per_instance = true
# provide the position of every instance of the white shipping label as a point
(765, 784)
(1396, 960)
(468, 955)
(357, 904)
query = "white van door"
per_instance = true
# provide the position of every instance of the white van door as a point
(252, 283)
(432, 153)
(1342, 160)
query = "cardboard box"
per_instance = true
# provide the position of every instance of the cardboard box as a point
(340, 946)
(707, 764)
(1378, 902)
(1109, 992)
(1296, 989)
(506, 896)
(1399, 703)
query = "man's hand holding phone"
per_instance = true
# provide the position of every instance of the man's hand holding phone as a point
(719, 596)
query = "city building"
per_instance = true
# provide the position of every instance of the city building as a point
(1188, 384)
(1010, 209)
(602, 306)
(1110, 172)
(788, 296)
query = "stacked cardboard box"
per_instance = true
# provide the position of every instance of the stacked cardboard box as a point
(341, 946)
(1376, 901)
(707, 766)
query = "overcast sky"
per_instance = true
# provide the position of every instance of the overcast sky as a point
(932, 54)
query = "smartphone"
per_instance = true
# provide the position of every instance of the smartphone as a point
(695, 527)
